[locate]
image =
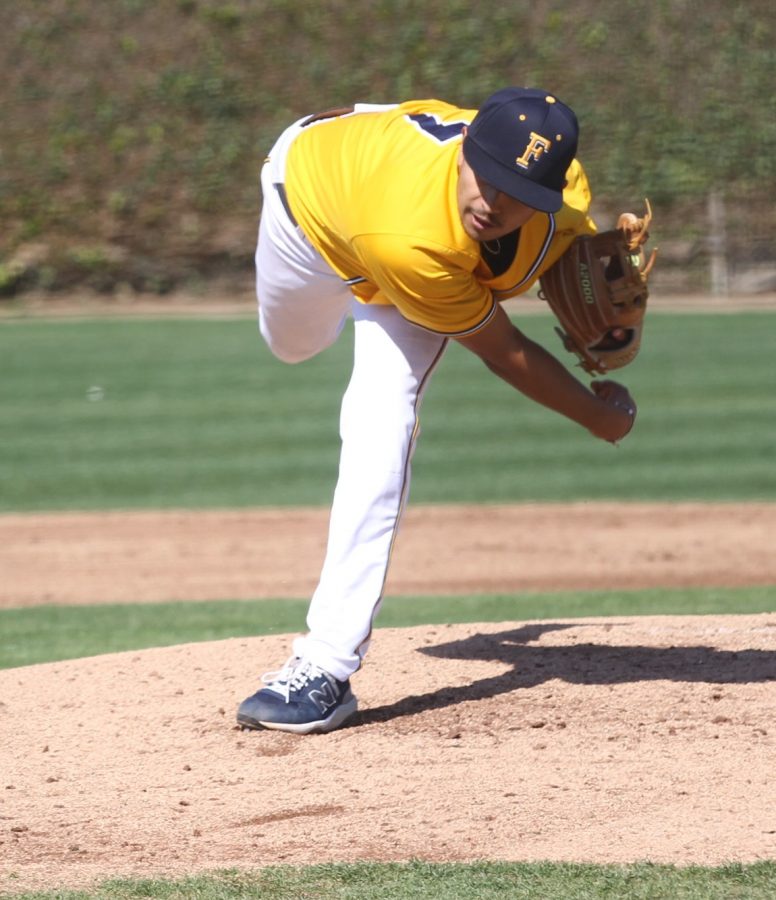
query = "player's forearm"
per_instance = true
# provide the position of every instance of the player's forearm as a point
(530, 369)
(538, 375)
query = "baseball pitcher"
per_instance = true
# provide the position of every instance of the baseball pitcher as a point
(417, 219)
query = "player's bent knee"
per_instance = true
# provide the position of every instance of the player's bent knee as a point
(287, 355)
(285, 351)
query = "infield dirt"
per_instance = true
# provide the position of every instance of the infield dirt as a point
(603, 740)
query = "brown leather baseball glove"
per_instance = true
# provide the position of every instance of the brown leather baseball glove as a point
(598, 292)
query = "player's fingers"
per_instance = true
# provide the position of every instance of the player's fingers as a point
(614, 394)
(604, 389)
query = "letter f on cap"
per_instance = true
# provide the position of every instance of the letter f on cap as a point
(536, 146)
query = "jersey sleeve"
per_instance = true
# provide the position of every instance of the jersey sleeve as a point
(431, 286)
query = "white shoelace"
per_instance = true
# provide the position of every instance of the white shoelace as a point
(294, 675)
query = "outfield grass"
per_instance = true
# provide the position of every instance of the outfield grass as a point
(107, 414)
(433, 881)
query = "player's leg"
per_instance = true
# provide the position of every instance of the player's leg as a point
(393, 362)
(303, 304)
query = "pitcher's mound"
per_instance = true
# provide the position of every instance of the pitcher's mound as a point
(591, 740)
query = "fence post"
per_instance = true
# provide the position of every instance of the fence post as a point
(717, 244)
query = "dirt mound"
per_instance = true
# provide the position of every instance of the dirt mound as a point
(593, 740)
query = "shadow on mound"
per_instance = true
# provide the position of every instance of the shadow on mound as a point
(593, 664)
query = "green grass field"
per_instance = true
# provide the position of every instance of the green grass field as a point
(48, 633)
(111, 414)
(191, 413)
(426, 881)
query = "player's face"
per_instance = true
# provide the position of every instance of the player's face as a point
(487, 213)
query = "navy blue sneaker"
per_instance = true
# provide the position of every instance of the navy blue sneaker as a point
(300, 698)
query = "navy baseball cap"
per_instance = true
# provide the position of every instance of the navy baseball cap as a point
(522, 141)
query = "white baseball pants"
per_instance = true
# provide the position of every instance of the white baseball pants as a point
(303, 306)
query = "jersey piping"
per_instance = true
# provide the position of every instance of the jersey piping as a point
(543, 251)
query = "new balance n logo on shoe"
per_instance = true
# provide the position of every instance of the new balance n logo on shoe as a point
(323, 697)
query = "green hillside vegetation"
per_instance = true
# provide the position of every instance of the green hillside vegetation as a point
(133, 131)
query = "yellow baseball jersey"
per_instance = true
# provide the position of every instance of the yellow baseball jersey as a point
(374, 191)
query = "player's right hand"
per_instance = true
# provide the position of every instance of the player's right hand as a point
(618, 413)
